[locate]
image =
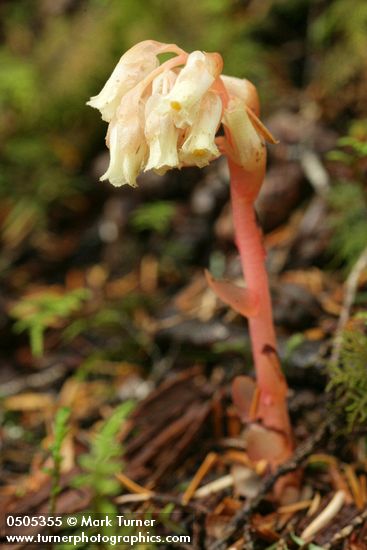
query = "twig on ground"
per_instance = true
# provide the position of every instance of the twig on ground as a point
(347, 529)
(215, 486)
(301, 453)
(315, 172)
(205, 467)
(164, 499)
(132, 485)
(36, 381)
(325, 516)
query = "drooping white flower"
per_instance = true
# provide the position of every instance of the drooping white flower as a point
(248, 147)
(160, 130)
(166, 116)
(193, 81)
(132, 67)
(128, 149)
(199, 148)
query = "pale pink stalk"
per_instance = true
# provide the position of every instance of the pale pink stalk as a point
(271, 408)
(265, 402)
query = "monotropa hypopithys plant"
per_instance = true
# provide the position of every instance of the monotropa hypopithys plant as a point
(167, 115)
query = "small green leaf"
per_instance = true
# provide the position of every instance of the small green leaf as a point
(297, 539)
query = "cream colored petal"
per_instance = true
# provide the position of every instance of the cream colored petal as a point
(242, 89)
(192, 83)
(160, 131)
(200, 148)
(132, 67)
(248, 147)
(163, 83)
(114, 173)
(125, 162)
(126, 141)
(163, 148)
(133, 163)
(161, 135)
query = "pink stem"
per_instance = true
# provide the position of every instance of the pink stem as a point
(271, 384)
(269, 404)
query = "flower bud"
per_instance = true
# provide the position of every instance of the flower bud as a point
(248, 147)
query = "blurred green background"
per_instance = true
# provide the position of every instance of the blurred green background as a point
(55, 54)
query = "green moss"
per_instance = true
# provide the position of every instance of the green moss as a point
(348, 378)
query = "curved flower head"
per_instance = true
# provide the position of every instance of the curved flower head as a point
(164, 116)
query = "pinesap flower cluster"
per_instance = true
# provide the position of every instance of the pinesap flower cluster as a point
(166, 115)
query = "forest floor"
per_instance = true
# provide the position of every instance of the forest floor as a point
(149, 330)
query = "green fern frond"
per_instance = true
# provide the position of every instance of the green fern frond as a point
(104, 459)
(38, 312)
(60, 432)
